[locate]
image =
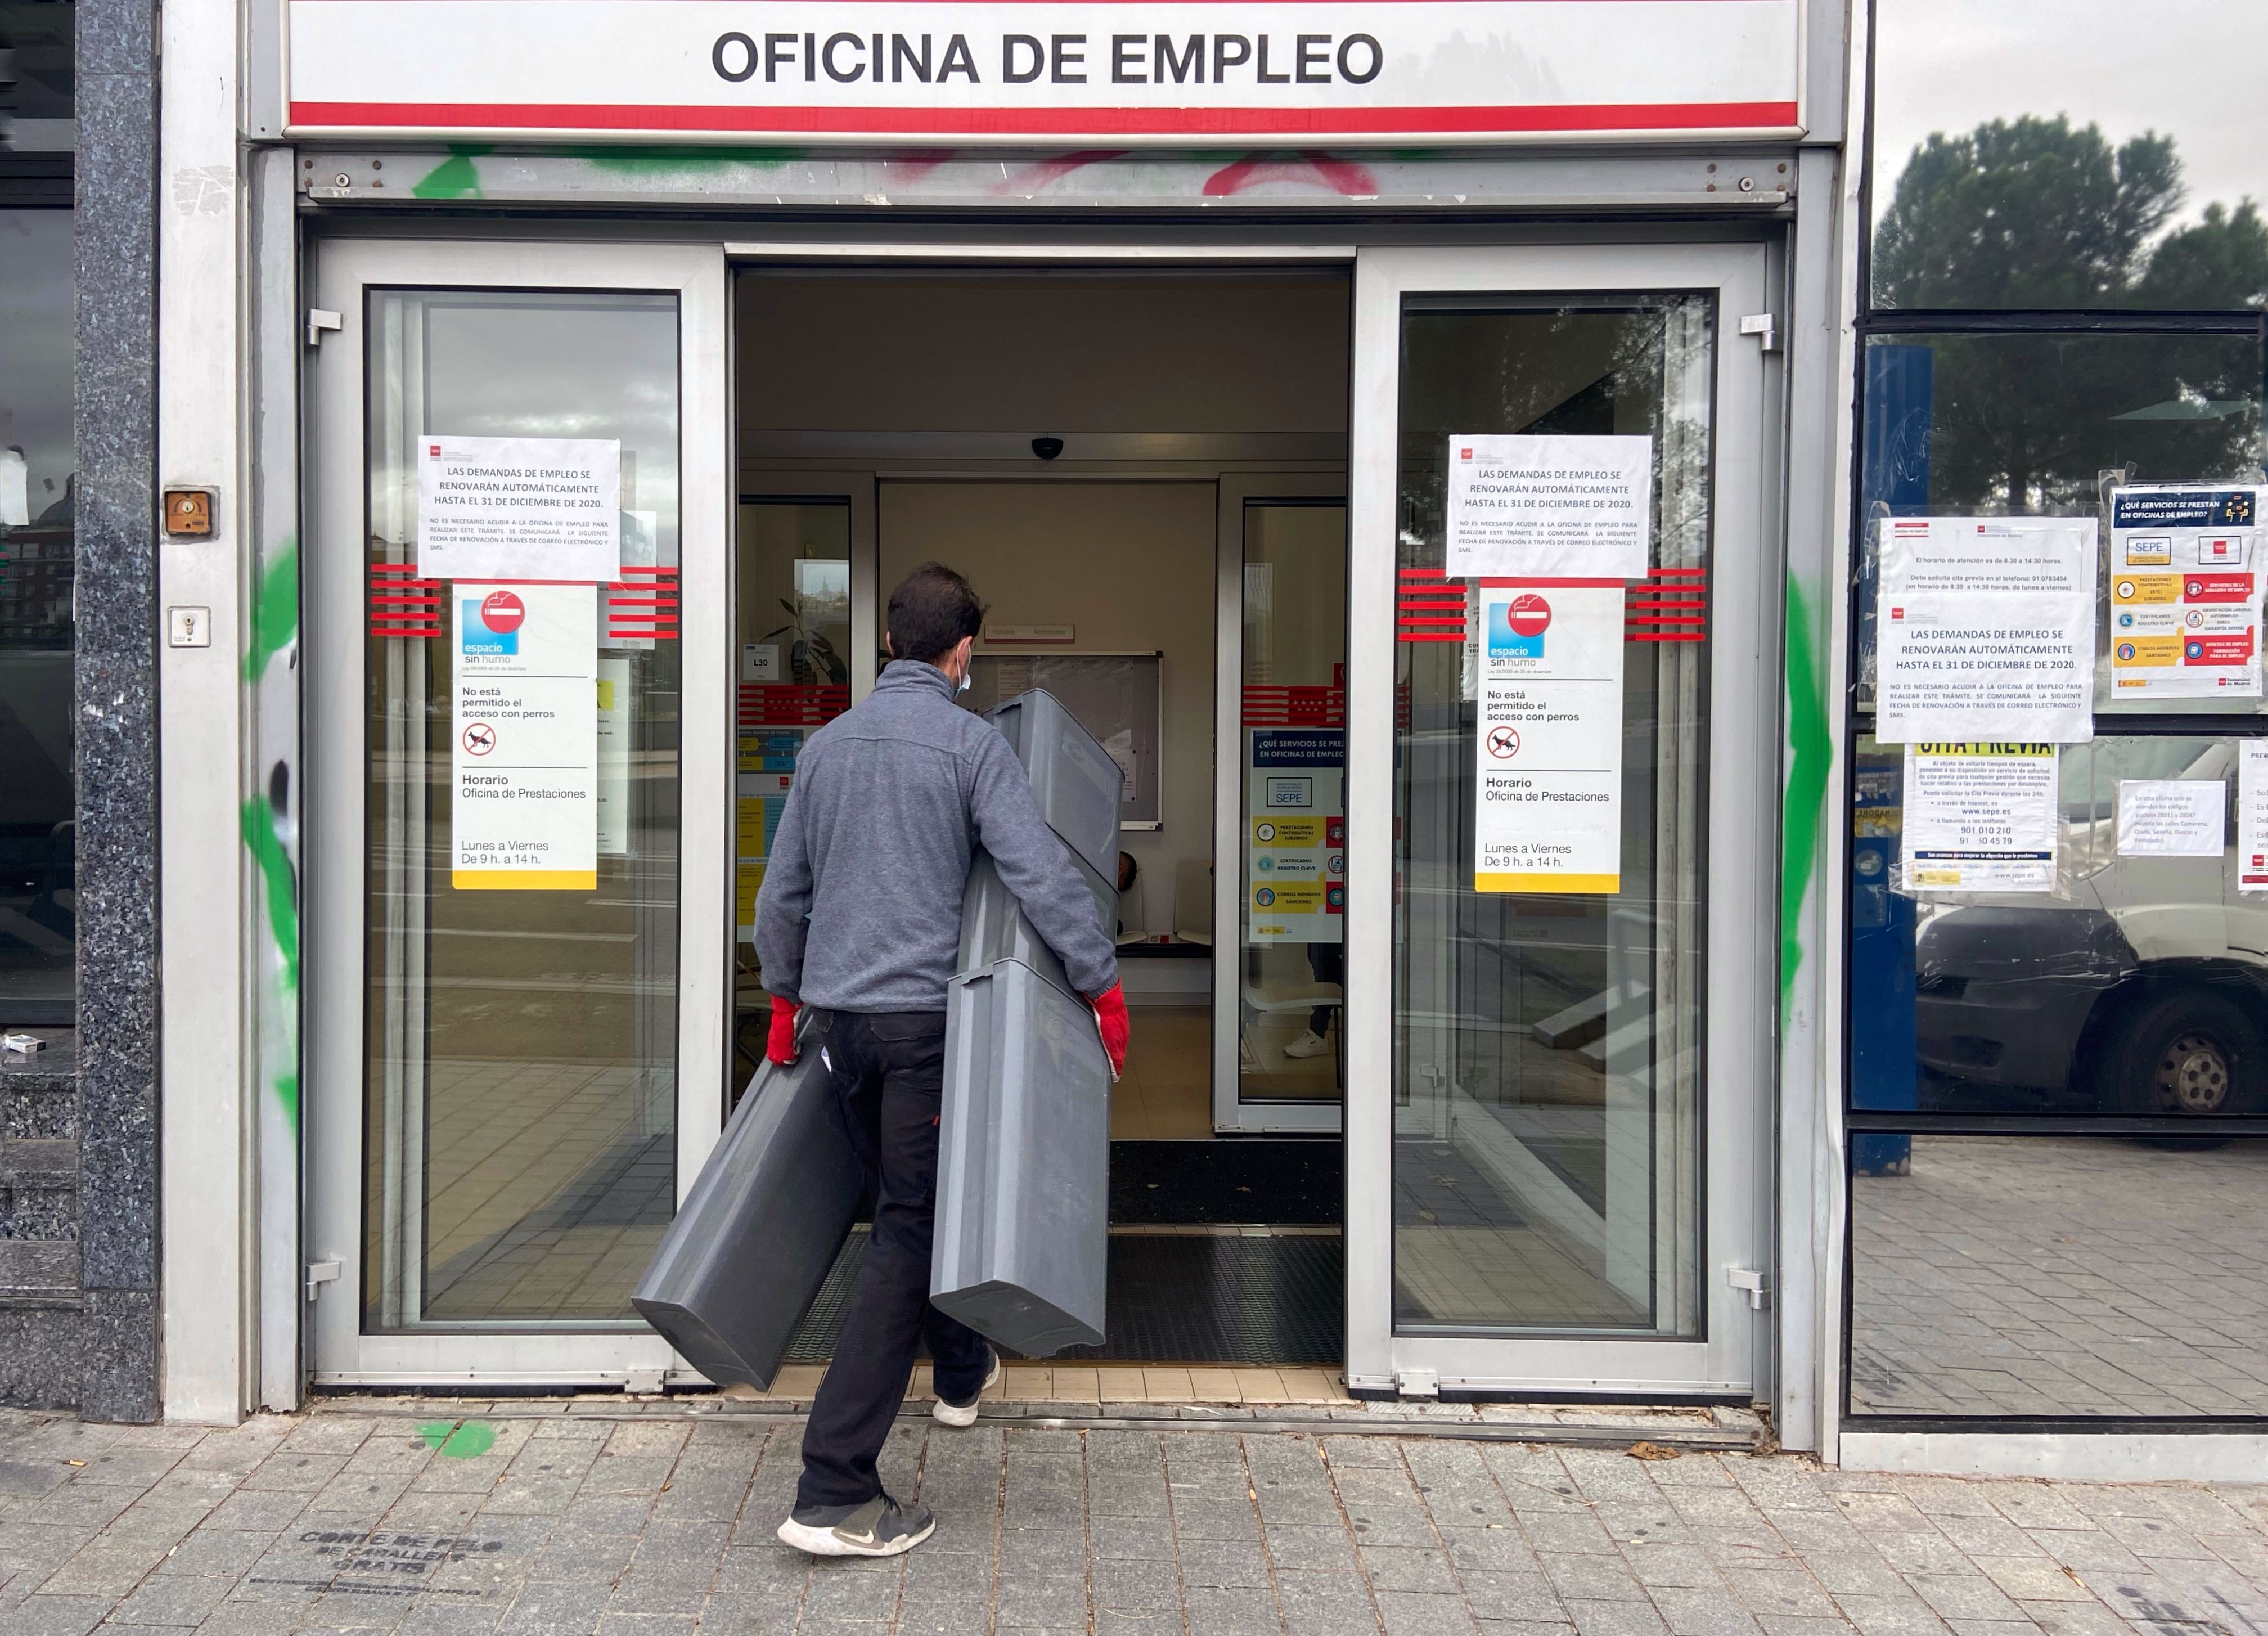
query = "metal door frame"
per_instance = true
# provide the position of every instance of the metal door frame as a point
(1744, 762)
(1231, 1114)
(335, 761)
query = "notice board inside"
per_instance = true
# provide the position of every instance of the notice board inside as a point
(1118, 697)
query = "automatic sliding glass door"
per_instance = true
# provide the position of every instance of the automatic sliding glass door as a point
(1558, 515)
(514, 881)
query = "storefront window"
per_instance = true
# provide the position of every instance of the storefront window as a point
(522, 1016)
(1548, 1072)
(39, 929)
(2108, 172)
(2052, 882)
(1989, 1281)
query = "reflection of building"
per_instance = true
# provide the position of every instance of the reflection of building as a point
(35, 586)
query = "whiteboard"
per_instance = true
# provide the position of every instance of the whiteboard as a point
(1118, 697)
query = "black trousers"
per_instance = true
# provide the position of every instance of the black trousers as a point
(890, 1074)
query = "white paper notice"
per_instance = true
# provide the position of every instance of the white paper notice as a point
(1980, 818)
(1985, 629)
(2252, 816)
(2185, 592)
(1573, 507)
(519, 508)
(1548, 797)
(2172, 817)
(525, 758)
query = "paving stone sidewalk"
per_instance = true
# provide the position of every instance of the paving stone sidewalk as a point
(661, 1524)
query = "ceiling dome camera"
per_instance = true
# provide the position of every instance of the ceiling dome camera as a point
(1047, 448)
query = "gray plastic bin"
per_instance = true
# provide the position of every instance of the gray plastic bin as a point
(741, 1264)
(1079, 786)
(994, 927)
(1023, 1176)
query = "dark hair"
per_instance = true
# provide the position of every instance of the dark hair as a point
(931, 610)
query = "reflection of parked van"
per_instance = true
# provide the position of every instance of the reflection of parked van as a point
(2144, 991)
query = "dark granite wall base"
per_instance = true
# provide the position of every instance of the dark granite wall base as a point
(99, 1353)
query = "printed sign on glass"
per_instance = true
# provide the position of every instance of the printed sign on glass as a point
(519, 508)
(2185, 592)
(1296, 834)
(523, 814)
(1565, 506)
(1547, 753)
(1985, 629)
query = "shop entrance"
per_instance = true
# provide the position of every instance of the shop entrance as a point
(1144, 477)
(538, 792)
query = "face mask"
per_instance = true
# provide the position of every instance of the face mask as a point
(964, 686)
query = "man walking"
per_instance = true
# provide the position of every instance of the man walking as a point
(859, 918)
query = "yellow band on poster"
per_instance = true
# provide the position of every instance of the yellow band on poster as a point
(1545, 880)
(523, 880)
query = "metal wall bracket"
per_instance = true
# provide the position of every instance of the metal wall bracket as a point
(1760, 326)
(1750, 1282)
(643, 1383)
(318, 320)
(319, 1273)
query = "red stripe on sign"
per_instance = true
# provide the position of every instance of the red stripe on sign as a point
(1194, 123)
(400, 604)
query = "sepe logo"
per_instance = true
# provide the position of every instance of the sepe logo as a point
(491, 627)
(433, 449)
(1464, 454)
(1516, 629)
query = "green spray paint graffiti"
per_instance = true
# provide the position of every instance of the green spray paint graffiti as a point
(454, 178)
(281, 888)
(268, 826)
(275, 613)
(458, 1439)
(1812, 753)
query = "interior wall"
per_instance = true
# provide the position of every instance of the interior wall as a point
(1131, 566)
(1062, 354)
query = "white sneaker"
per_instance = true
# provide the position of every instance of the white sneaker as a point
(1309, 1043)
(962, 1415)
(880, 1528)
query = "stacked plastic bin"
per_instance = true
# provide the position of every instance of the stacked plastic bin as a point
(1023, 1181)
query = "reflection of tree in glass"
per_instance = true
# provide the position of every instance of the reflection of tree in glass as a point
(2031, 213)
(1581, 372)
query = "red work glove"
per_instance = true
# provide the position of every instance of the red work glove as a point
(1111, 1022)
(779, 1046)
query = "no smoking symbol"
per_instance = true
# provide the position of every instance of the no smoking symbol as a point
(1503, 743)
(480, 738)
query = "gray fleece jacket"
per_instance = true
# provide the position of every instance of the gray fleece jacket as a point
(860, 908)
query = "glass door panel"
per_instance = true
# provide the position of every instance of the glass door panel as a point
(1554, 1149)
(516, 814)
(521, 1084)
(1547, 1088)
(1293, 837)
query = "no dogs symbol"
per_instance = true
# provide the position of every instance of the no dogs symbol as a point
(480, 738)
(1503, 743)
